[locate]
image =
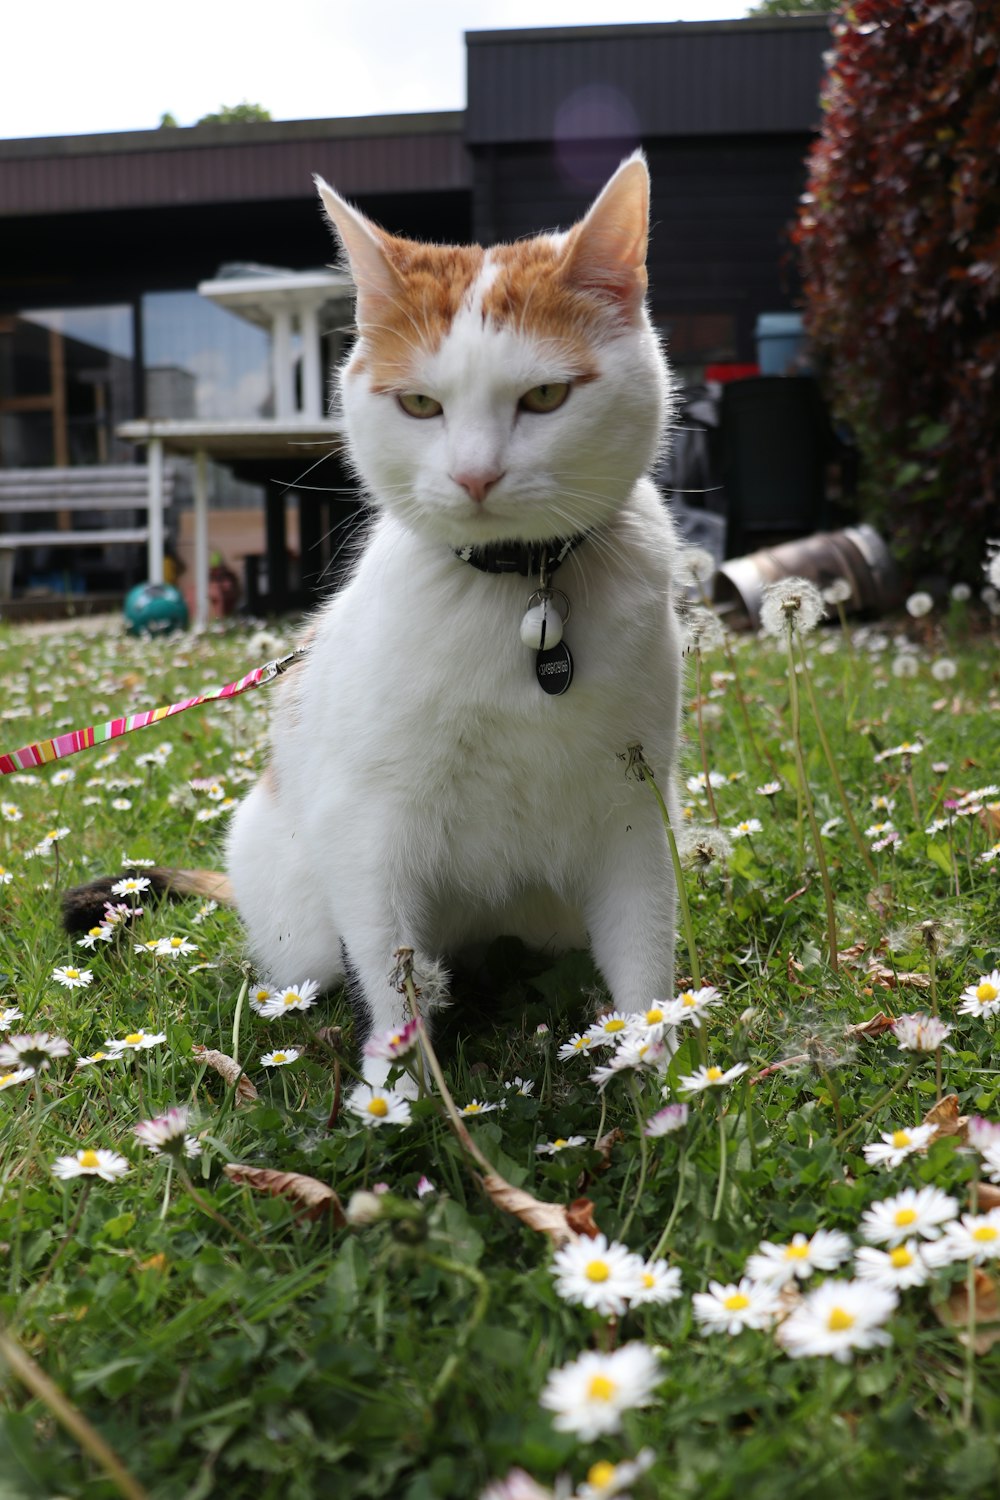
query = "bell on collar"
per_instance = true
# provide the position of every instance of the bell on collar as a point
(542, 626)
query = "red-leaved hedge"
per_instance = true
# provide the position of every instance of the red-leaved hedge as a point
(898, 236)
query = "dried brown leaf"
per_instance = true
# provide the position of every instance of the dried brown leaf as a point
(792, 968)
(989, 1196)
(850, 954)
(946, 1117)
(786, 1062)
(580, 1217)
(874, 1026)
(228, 1068)
(606, 1143)
(890, 979)
(545, 1218)
(954, 1312)
(314, 1198)
(879, 900)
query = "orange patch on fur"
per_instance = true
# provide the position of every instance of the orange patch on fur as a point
(531, 291)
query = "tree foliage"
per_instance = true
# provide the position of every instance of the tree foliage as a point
(899, 242)
(236, 114)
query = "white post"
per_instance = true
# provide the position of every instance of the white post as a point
(154, 463)
(281, 363)
(312, 370)
(200, 539)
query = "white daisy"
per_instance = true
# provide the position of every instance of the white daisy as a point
(296, 997)
(102, 933)
(561, 1143)
(918, 1032)
(106, 1164)
(35, 1050)
(399, 1042)
(94, 1059)
(732, 1308)
(974, 1237)
(523, 1086)
(6, 876)
(589, 1395)
(836, 1318)
(18, 1075)
(259, 999)
(379, 1106)
(691, 1005)
(10, 1014)
(72, 979)
(131, 885)
(580, 1041)
(896, 1269)
(280, 1059)
(776, 1265)
(896, 1145)
(983, 997)
(914, 1211)
(135, 1041)
(608, 1028)
(174, 947)
(672, 1117)
(605, 1479)
(168, 1133)
(746, 829)
(659, 1282)
(597, 1274)
(711, 1077)
(10, 812)
(476, 1107)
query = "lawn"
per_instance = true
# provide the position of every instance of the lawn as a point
(796, 1291)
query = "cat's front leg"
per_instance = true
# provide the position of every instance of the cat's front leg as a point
(629, 906)
(376, 966)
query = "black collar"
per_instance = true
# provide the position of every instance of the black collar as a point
(529, 559)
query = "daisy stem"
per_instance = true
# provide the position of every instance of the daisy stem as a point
(701, 741)
(969, 1382)
(908, 770)
(213, 1213)
(723, 1161)
(70, 1417)
(862, 847)
(661, 1243)
(932, 975)
(482, 1289)
(604, 1116)
(806, 795)
(57, 1256)
(880, 1103)
(238, 1016)
(643, 1158)
(647, 776)
(165, 1205)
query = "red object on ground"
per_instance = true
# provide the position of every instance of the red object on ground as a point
(723, 373)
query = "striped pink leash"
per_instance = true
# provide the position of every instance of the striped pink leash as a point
(75, 740)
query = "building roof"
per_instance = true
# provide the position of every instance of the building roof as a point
(760, 75)
(239, 162)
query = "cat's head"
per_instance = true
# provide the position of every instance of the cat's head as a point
(510, 393)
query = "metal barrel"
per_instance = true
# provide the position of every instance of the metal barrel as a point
(857, 554)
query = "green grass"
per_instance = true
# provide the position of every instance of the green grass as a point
(264, 1354)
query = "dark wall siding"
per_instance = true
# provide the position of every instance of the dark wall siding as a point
(668, 80)
(720, 211)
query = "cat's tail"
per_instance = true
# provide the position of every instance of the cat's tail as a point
(83, 905)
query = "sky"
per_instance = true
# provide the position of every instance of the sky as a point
(73, 69)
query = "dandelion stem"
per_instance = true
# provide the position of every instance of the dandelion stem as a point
(862, 847)
(969, 1381)
(806, 795)
(880, 1103)
(675, 1210)
(238, 1017)
(764, 757)
(701, 741)
(643, 1158)
(636, 759)
(70, 1417)
(723, 1161)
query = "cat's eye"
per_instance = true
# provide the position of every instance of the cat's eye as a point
(416, 405)
(543, 398)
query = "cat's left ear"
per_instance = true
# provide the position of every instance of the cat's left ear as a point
(606, 251)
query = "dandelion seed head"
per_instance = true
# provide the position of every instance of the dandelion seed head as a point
(791, 599)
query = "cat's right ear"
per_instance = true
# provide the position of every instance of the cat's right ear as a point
(365, 248)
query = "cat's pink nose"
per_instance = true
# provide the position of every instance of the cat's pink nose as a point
(477, 484)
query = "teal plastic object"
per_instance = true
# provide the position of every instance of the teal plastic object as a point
(155, 609)
(780, 337)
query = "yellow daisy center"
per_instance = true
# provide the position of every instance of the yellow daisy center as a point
(261, 996)
(281, 1057)
(713, 1074)
(95, 932)
(839, 1320)
(581, 1041)
(98, 1056)
(379, 1108)
(291, 997)
(796, 1252)
(904, 1216)
(472, 1109)
(597, 1270)
(176, 942)
(652, 1016)
(600, 1388)
(688, 1000)
(900, 1139)
(72, 973)
(985, 1233)
(900, 1257)
(134, 1037)
(736, 1303)
(5, 1079)
(648, 1280)
(560, 1141)
(601, 1473)
(614, 1026)
(88, 1159)
(986, 992)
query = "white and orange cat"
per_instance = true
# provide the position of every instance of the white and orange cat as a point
(435, 781)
